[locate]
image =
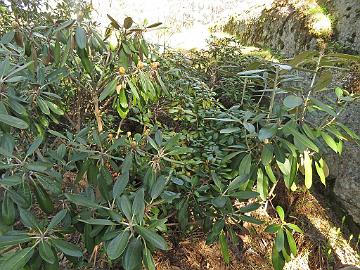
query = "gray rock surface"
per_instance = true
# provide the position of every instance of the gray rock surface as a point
(347, 23)
(346, 168)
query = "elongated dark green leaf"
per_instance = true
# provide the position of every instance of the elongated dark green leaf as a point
(12, 180)
(215, 231)
(148, 259)
(291, 242)
(277, 259)
(43, 106)
(279, 240)
(156, 240)
(81, 200)
(125, 206)
(18, 260)
(224, 247)
(120, 184)
(98, 221)
(67, 248)
(138, 206)
(46, 252)
(302, 138)
(80, 37)
(234, 184)
(12, 240)
(267, 154)
(13, 121)
(245, 195)
(245, 165)
(35, 145)
(57, 219)
(117, 245)
(273, 228)
(262, 184)
(108, 90)
(133, 255)
(158, 187)
(28, 219)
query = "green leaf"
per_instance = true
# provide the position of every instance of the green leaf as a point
(10, 181)
(330, 141)
(151, 237)
(245, 195)
(46, 252)
(158, 187)
(13, 121)
(117, 246)
(35, 145)
(54, 108)
(320, 172)
(28, 219)
(98, 221)
(224, 247)
(323, 81)
(234, 184)
(215, 231)
(273, 228)
(148, 259)
(57, 219)
(120, 184)
(266, 133)
(12, 240)
(125, 206)
(132, 259)
(18, 259)
(323, 107)
(262, 184)
(279, 240)
(108, 90)
(249, 208)
(43, 106)
(230, 130)
(67, 248)
(302, 138)
(308, 169)
(80, 37)
(280, 212)
(270, 173)
(81, 200)
(267, 154)
(294, 227)
(138, 206)
(292, 101)
(277, 259)
(133, 89)
(291, 242)
(245, 165)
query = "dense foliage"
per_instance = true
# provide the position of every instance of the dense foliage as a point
(104, 143)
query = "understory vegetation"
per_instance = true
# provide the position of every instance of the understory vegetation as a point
(107, 149)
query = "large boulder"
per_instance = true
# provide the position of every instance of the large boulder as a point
(346, 15)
